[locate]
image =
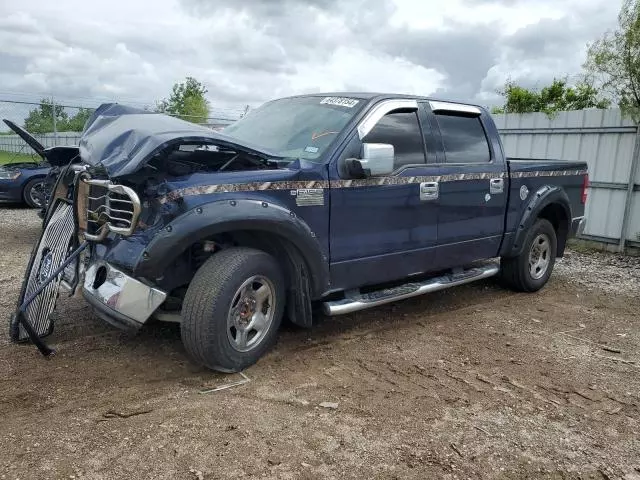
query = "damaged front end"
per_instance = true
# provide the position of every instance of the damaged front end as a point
(105, 209)
(83, 211)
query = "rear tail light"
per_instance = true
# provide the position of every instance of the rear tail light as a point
(585, 186)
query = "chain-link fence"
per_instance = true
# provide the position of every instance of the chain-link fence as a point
(54, 122)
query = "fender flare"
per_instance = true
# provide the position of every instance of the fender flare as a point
(542, 198)
(228, 216)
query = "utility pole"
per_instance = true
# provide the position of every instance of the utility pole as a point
(626, 216)
(55, 128)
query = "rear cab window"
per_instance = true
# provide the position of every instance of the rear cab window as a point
(463, 138)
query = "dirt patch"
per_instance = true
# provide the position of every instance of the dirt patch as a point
(475, 382)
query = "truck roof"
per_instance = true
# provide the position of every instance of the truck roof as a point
(381, 96)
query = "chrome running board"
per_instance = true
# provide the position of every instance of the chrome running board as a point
(354, 300)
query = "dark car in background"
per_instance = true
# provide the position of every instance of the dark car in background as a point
(31, 182)
(24, 182)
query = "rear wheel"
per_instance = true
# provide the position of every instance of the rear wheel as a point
(530, 271)
(34, 193)
(233, 309)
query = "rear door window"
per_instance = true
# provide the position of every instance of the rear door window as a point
(463, 138)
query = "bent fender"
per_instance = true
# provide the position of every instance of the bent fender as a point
(226, 216)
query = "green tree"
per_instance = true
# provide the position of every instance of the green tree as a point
(187, 101)
(615, 60)
(40, 119)
(77, 121)
(551, 99)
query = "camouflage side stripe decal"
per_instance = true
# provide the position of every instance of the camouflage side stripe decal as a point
(241, 187)
(377, 181)
(365, 182)
(548, 173)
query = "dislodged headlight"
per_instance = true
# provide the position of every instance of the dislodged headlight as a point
(9, 174)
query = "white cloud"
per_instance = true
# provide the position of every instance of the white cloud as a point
(350, 68)
(511, 15)
(248, 51)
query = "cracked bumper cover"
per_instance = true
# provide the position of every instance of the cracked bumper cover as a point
(119, 299)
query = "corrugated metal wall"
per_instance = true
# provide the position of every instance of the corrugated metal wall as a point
(602, 138)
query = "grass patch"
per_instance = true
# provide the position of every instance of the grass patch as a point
(585, 246)
(8, 157)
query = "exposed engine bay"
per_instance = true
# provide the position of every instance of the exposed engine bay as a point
(186, 159)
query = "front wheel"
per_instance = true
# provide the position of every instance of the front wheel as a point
(233, 309)
(530, 271)
(34, 193)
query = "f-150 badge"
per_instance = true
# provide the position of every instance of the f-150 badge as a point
(308, 197)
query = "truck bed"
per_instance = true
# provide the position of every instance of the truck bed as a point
(541, 164)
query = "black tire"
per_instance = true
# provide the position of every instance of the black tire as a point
(27, 195)
(517, 273)
(205, 330)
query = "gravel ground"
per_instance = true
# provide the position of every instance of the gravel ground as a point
(606, 272)
(474, 382)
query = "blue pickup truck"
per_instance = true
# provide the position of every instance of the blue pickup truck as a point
(339, 201)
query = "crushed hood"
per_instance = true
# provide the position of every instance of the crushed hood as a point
(123, 139)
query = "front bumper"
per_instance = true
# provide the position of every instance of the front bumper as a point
(119, 299)
(577, 226)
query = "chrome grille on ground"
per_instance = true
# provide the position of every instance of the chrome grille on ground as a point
(50, 254)
(109, 208)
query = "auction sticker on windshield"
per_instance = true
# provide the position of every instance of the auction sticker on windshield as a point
(340, 101)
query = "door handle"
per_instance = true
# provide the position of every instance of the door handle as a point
(496, 185)
(429, 191)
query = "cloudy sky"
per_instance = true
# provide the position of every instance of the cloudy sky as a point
(248, 51)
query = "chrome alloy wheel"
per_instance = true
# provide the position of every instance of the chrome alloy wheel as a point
(539, 256)
(251, 313)
(37, 193)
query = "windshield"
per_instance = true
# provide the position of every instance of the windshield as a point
(300, 127)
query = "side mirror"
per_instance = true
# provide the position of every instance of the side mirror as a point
(354, 168)
(378, 158)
